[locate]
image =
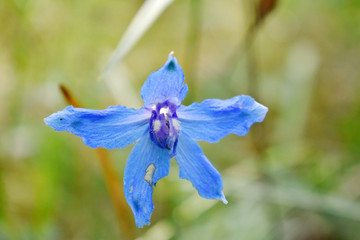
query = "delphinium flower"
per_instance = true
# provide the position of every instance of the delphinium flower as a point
(162, 129)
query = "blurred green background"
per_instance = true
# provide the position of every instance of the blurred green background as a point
(295, 176)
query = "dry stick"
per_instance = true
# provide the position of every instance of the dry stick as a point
(113, 183)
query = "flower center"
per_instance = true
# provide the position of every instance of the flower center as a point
(164, 125)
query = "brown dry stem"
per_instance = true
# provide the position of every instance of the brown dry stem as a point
(113, 183)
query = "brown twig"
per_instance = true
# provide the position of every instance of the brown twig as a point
(113, 183)
(264, 8)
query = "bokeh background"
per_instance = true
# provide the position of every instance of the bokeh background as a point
(294, 176)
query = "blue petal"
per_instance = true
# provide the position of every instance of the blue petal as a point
(183, 92)
(146, 165)
(165, 83)
(213, 119)
(114, 127)
(194, 166)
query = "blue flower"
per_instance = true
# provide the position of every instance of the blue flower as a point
(162, 129)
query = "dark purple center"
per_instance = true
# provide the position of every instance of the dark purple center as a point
(164, 125)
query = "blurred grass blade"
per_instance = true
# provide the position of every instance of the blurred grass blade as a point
(293, 196)
(144, 18)
(120, 86)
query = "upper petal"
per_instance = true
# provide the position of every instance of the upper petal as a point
(195, 167)
(213, 119)
(146, 165)
(114, 127)
(165, 83)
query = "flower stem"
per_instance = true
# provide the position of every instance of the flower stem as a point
(193, 42)
(113, 183)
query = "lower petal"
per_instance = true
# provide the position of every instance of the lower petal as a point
(195, 167)
(146, 165)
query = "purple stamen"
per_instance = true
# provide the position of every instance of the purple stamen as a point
(164, 125)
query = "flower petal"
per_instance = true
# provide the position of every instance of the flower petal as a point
(183, 92)
(213, 119)
(114, 127)
(195, 167)
(165, 83)
(146, 165)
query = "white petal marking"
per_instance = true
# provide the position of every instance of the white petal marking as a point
(176, 124)
(164, 110)
(149, 173)
(156, 125)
